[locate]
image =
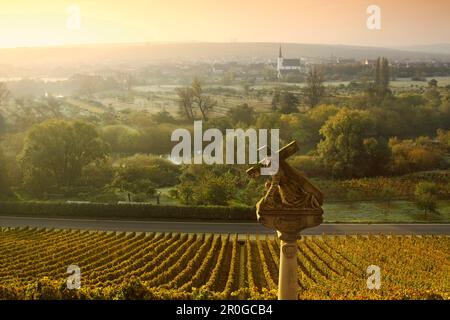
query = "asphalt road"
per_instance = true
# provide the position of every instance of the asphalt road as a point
(219, 227)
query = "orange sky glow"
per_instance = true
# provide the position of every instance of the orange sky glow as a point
(44, 22)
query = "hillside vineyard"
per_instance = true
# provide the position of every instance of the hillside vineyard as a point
(119, 265)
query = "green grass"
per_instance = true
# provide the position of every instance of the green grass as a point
(407, 82)
(366, 211)
(398, 83)
(379, 212)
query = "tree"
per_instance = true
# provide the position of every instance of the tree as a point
(211, 184)
(426, 196)
(138, 172)
(444, 137)
(444, 112)
(194, 96)
(383, 74)
(57, 151)
(415, 155)
(121, 138)
(155, 139)
(204, 103)
(288, 103)
(275, 99)
(163, 116)
(314, 90)
(433, 96)
(268, 120)
(251, 193)
(285, 102)
(185, 192)
(380, 88)
(349, 147)
(4, 179)
(98, 174)
(433, 83)
(242, 114)
(378, 156)
(304, 127)
(207, 188)
(215, 189)
(185, 96)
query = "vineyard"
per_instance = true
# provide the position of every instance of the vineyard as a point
(113, 265)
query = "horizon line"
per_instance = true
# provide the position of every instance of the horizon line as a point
(89, 44)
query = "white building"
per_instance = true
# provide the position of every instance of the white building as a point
(287, 65)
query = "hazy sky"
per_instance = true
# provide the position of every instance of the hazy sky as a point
(45, 22)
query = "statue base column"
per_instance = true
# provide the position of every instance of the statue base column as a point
(289, 223)
(288, 279)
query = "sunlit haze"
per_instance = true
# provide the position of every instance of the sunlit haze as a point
(45, 22)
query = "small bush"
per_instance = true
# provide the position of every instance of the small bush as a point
(426, 196)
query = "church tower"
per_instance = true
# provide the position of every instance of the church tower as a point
(279, 63)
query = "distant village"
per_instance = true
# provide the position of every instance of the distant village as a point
(282, 67)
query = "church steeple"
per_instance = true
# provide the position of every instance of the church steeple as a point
(279, 63)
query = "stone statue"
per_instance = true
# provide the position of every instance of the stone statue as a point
(291, 204)
(290, 198)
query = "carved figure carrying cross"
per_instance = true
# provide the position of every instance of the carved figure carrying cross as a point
(291, 204)
(289, 189)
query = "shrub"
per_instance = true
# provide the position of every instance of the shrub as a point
(414, 155)
(426, 196)
(138, 172)
(125, 211)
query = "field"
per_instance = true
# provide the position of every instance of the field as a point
(33, 264)
(85, 106)
(159, 97)
(399, 211)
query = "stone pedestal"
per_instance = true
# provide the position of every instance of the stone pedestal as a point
(287, 278)
(288, 224)
(290, 205)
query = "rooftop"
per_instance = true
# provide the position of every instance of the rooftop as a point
(291, 62)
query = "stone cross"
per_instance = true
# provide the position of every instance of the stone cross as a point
(291, 204)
